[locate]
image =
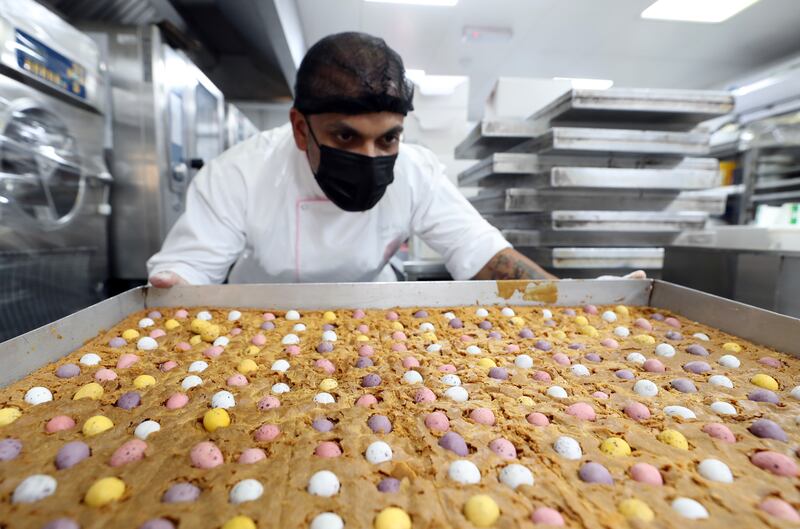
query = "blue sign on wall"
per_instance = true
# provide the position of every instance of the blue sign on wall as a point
(42, 62)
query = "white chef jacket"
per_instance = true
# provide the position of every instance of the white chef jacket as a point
(257, 213)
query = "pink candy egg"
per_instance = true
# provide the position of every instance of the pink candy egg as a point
(267, 432)
(213, 352)
(328, 449)
(268, 403)
(643, 324)
(127, 360)
(105, 375)
(205, 455)
(157, 333)
(512, 348)
(181, 314)
(325, 365)
(590, 309)
(398, 335)
(538, 419)
(252, 455)
(547, 516)
(183, 347)
(392, 316)
(483, 416)
(59, 423)
(769, 361)
(646, 473)
(258, 339)
(236, 331)
(672, 322)
(424, 395)
(358, 314)
(129, 452)
(292, 350)
(600, 395)
(410, 361)
(466, 338)
(366, 350)
(268, 316)
(237, 380)
(653, 365)
(719, 431)
(581, 410)
(176, 401)
(542, 376)
(168, 365)
(610, 343)
(363, 329)
(503, 448)
(637, 411)
(561, 359)
(779, 509)
(365, 401)
(447, 368)
(399, 347)
(775, 462)
(437, 421)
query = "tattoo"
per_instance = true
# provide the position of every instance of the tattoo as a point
(510, 264)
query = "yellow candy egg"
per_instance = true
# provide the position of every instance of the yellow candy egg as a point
(429, 336)
(525, 400)
(392, 518)
(216, 418)
(198, 325)
(246, 366)
(397, 326)
(615, 446)
(732, 347)
(486, 363)
(96, 425)
(253, 350)
(644, 339)
(518, 321)
(329, 316)
(481, 510)
(92, 390)
(143, 381)
(622, 310)
(765, 381)
(328, 384)
(634, 509)
(590, 331)
(130, 334)
(673, 438)
(362, 338)
(171, 325)
(9, 415)
(581, 320)
(210, 333)
(559, 335)
(240, 522)
(104, 491)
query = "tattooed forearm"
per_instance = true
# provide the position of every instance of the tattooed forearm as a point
(510, 264)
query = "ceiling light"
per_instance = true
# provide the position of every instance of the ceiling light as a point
(707, 11)
(579, 83)
(439, 3)
(435, 85)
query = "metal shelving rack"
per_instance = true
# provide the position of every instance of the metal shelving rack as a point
(598, 181)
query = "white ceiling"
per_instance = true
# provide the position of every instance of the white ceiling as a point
(568, 38)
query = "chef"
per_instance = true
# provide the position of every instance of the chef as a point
(331, 196)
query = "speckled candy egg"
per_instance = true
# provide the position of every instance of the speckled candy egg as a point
(206, 455)
(464, 472)
(515, 475)
(34, 488)
(455, 443)
(595, 473)
(246, 490)
(71, 454)
(181, 493)
(323, 483)
(766, 429)
(379, 424)
(568, 448)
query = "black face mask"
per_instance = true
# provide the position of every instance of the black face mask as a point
(354, 182)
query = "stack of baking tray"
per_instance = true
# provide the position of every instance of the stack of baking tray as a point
(598, 180)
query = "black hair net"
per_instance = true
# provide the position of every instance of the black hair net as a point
(352, 73)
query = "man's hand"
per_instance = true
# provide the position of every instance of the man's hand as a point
(510, 264)
(638, 274)
(167, 280)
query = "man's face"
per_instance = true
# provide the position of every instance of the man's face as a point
(375, 134)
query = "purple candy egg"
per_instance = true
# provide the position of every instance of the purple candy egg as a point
(763, 395)
(684, 385)
(370, 381)
(455, 323)
(494, 335)
(129, 400)
(543, 345)
(328, 327)
(364, 361)
(697, 367)
(325, 347)
(455, 443)
(267, 326)
(322, 425)
(421, 314)
(181, 493)
(379, 424)
(117, 342)
(569, 312)
(674, 335)
(62, 523)
(10, 449)
(526, 333)
(577, 346)
(71, 454)
(389, 485)
(595, 473)
(157, 523)
(550, 323)
(499, 373)
(697, 349)
(68, 371)
(624, 374)
(658, 316)
(766, 429)
(593, 357)
(485, 325)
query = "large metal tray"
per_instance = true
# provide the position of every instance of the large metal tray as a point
(30, 351)
(539, 171)
(526, 239)
(603, 221)
(490, 136)
(636, 108)
(621, 142)
(603, 258)
(523, 200)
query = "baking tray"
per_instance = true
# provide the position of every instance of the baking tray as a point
(490, 136)
(598, 258)
(621, 142)
(523, 239)
(540, 171)
(26, 353)
(651, 109)
(604, 221)
(523, 200)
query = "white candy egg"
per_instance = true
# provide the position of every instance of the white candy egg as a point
(90, 359)
(191, 381)
(665, 350)
(508, 312)
(729, 361)
(146, 344)
(323, 483)
(378, 452)
(609, 316)
(299, 327)
(645, 388)
(449, 316)
(145, 429)
(292, 315)
(329, 336)
(679, 411)
(701, 336)
(434, 348)
(622, 332)
(246, 490)
(327, 520)
(279, 388)
(222, 341)
(34, 488)
(523, 361)
(473, 350)
(280, 365)
(324, 398)
(457, 394)
(451, 380)
(795, 393)
(568, 448)
(426, 327)
(720, 380)
(204, 315)
(547, 314)
(223, 399)
(689, 508)
(464, 472)
(234, 315)
(290, 339)
(198, 366)
(481, 312)
(715, 470)
(580, 370)
(557, 392)
(38, 395)
(515, 475)
(412, 377)
(723, 408)
(636, 358)
(146, 322)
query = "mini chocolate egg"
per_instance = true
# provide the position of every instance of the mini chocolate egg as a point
(216, 418)
(327, 520)
(10, 449)
(424, 395)
(59, 423)
(561, 359)
(581, 410)
(624, 374)
(515, 475)
(457, 394)
(653, 365)
(646, 473)
(146, 344)
(146, 428)
(766, 429)
(720, 380)
(697, 350)
(130, 452)
(498, 373)
(483, 416)
(723, 408)
(592, 472)
(61, 523)
(198, 366)
(537, 419)
(246, 490)
(90, 359)
(776, 463)
(290, 339)
(104, 491)
(450, 380)
(719, 431)
(568, 448)
(697, 367)
(181, 493)
(412, 377)
(455, 443)
(715, 470)
(176, 401)
(371, 380)
(503, 448)
(557, 392)
(636, 358)
(266, 433)
(324, 398)
(68, 371)
(765, 381)
(96, 425)
(622, 332)
(779, 509)
(280, 388)
(645, 388)
(673, 438)
(635, 509)
(38, 395)
(379, 424)
(673, 335)
(34, 488)
(71, 454)
(580, 370)
(689, 508)
(127, 360)
(437, 421)
(763, 395)
(129, 400)
(679, 411)
(464, 472)
(223, 400)
(547, 516)
(190, 382)
(322, 425)
(684, 385)
(251, 455)
(473, 350)
(117, 342)
(364, 362)
(205, 455)
(616, 447)
(323, 483)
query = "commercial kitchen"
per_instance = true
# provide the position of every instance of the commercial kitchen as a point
(377, 226)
